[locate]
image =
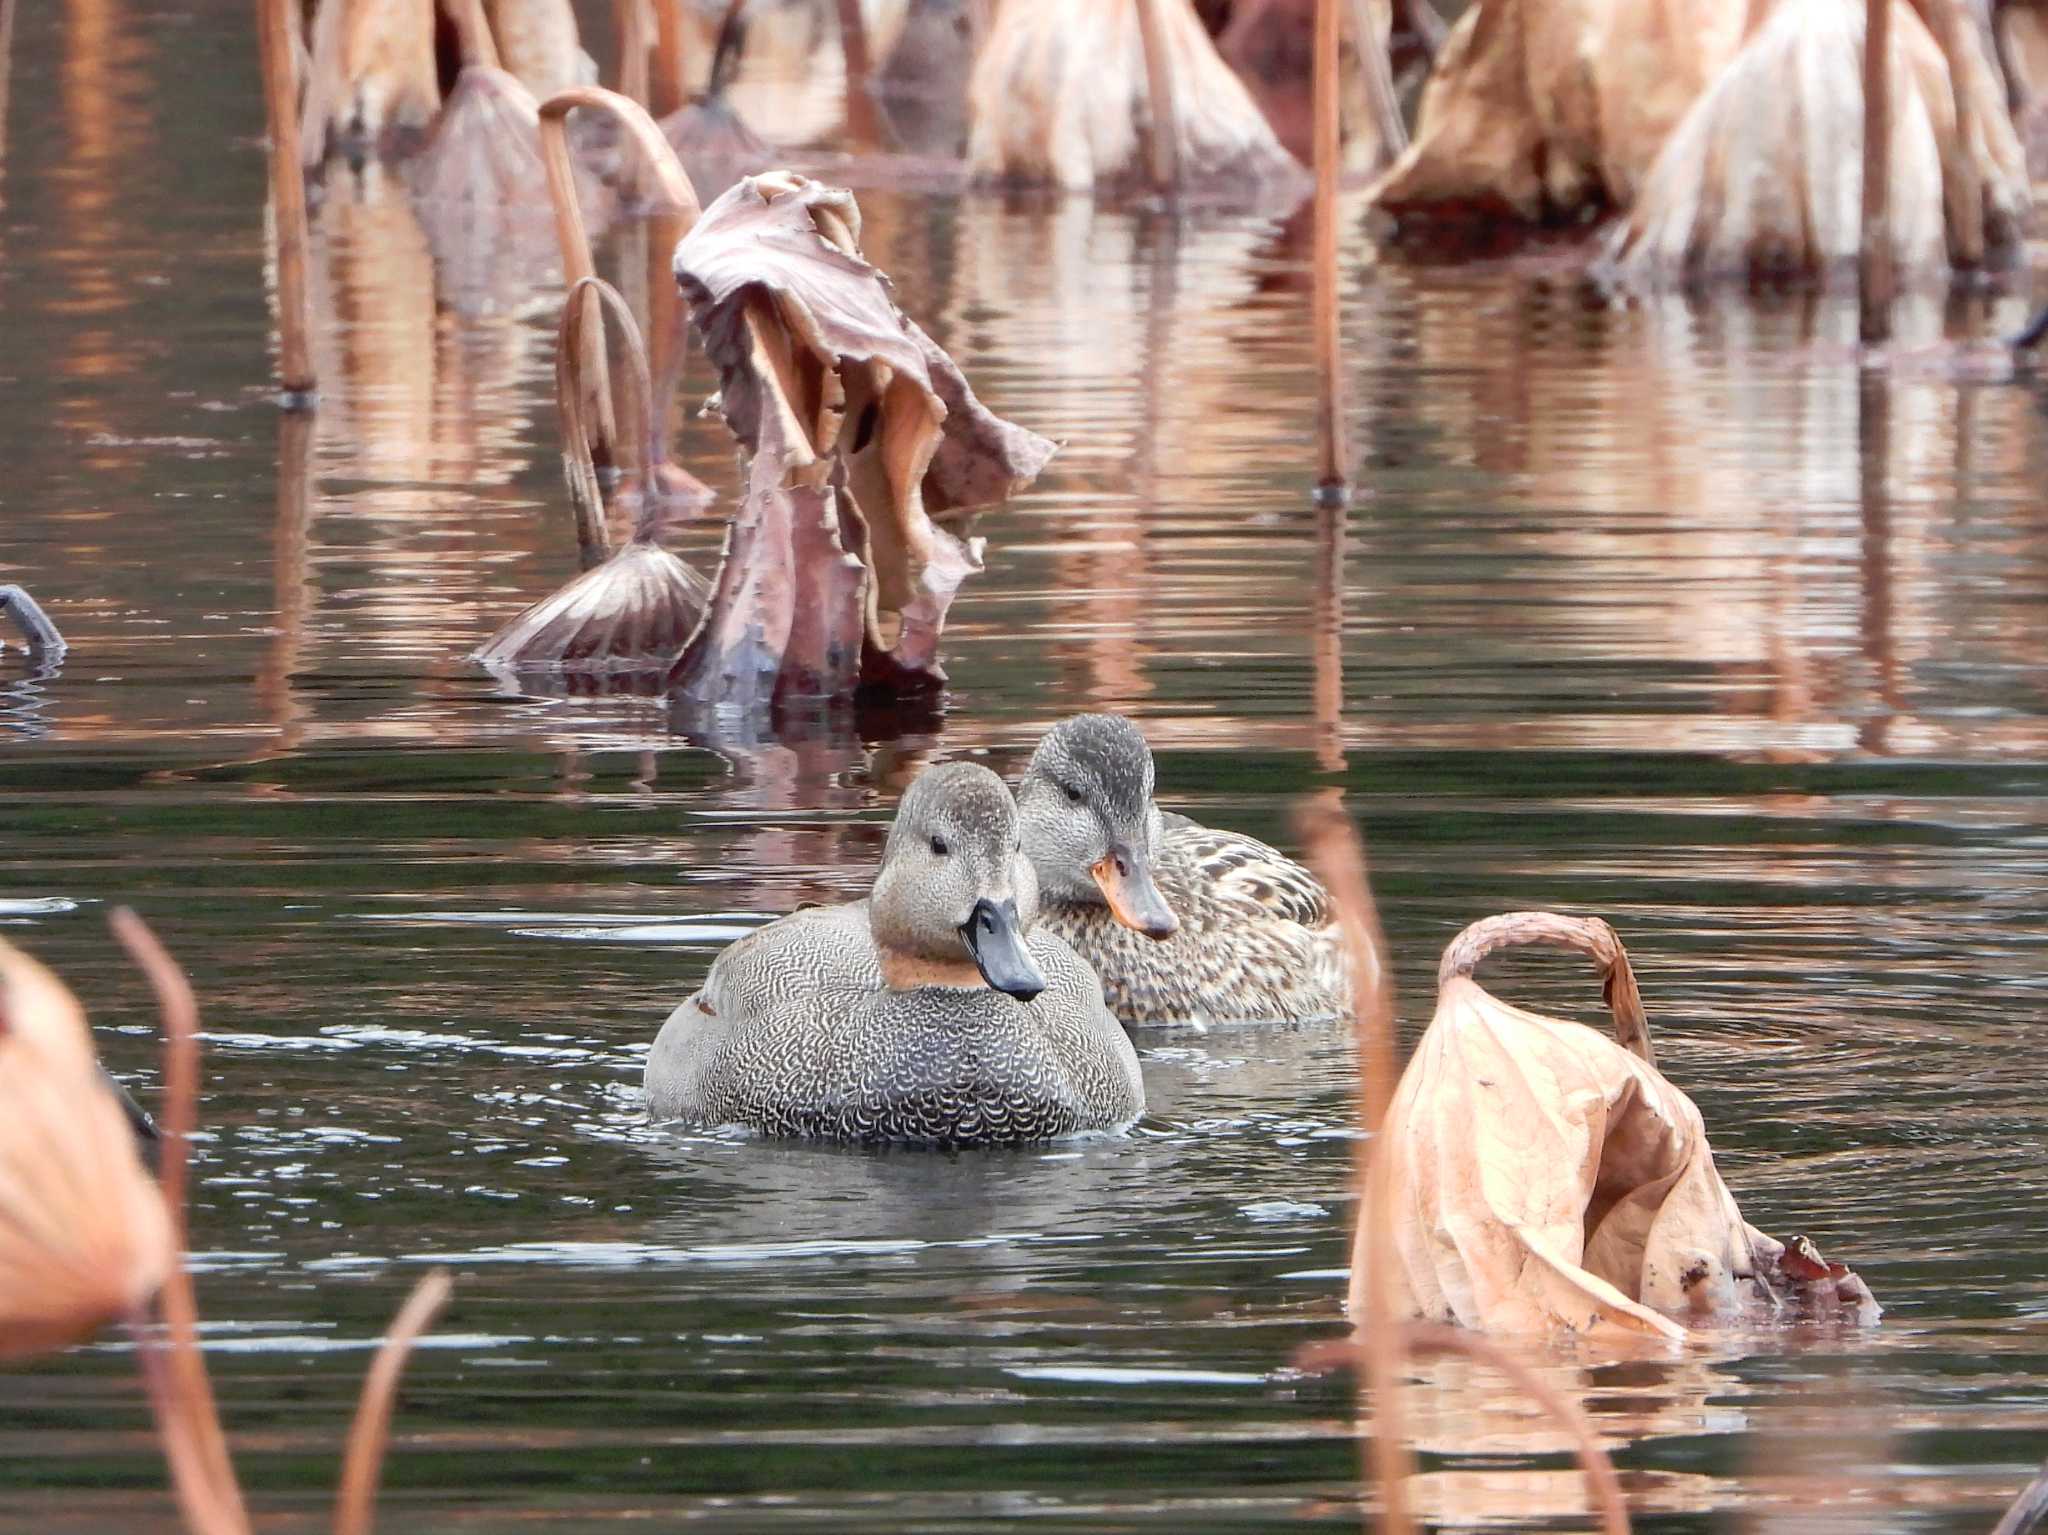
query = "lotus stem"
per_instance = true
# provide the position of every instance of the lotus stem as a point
(44, 642)
(632, 28)
(1876, 278)
(1378, 76)
(853, 43)
(572, 350)
(1165, 144)
(577, 264)
(355, 1504)
(183, 1396)
(1338, 858)
(288, 203)
(2027, 1508)
(1588, 935)
(665, 76)
(1331, 456)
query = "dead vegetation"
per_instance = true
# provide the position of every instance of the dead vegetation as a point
(88, 1238)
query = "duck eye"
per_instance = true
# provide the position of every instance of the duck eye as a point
(939, 846)
(1073, 794)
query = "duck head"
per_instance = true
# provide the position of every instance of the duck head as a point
(956, 895)
(1090, 826)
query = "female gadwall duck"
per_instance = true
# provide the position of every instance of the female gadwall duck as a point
(930, 1012)
(1183, 924)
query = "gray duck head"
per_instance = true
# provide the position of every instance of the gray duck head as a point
(955, 890)
(1090, 826)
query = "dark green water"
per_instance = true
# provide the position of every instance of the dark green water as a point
(1660, 615)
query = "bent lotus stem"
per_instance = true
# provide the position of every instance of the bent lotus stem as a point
(1588, 935)
(573, 348)
(1329, 363)
(2028, 1508)
(179, 1389)
(44, 642)
(362, 1468)
(1159, 87)
(1338, 858)
(577, 263)
(287, 201)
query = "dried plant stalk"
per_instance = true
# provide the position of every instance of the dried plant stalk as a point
(635, 608)
(1875, 277)
(1338, 858)
(1329, 359)
(674, 189)
(287, 199)
(355, 1504)
(1588, 935)
(182, 1393)
(2028, 1508)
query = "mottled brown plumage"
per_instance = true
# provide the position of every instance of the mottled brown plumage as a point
(1255, 938)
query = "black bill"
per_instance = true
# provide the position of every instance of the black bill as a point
(992, 938)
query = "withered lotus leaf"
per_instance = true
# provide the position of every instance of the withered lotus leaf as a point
(84, 1235)
(372, 79)
(868, 431)
(484, 147)
(1060, 94)
(631, 609)
(1763, 175)
(1537, 1176)
(1547, 110)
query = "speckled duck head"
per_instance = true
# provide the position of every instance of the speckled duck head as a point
(956, 894)
(1090, 826)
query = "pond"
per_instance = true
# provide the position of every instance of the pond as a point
(1664, 614)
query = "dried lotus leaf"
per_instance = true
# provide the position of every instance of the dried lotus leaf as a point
(1762, 177)
(1060, 94)
(84, 1235)
(821, 373)
(1538, 1176)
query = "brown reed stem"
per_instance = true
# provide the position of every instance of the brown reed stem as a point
(193, 1440)
(853, 43)
(1876, 279)
(665, 74)
(1165, 141)
(631, 18)
(288, 203)
(1330, 454)
(362, 1467)
(1338, 857)
(571, 346)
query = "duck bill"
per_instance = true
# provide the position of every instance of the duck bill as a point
(991, 936)
(1126, 884)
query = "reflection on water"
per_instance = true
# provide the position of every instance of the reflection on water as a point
(1668, 614)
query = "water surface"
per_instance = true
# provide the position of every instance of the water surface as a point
(1665, 615)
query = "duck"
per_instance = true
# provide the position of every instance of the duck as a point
(934, 1012)
(1185, 924)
